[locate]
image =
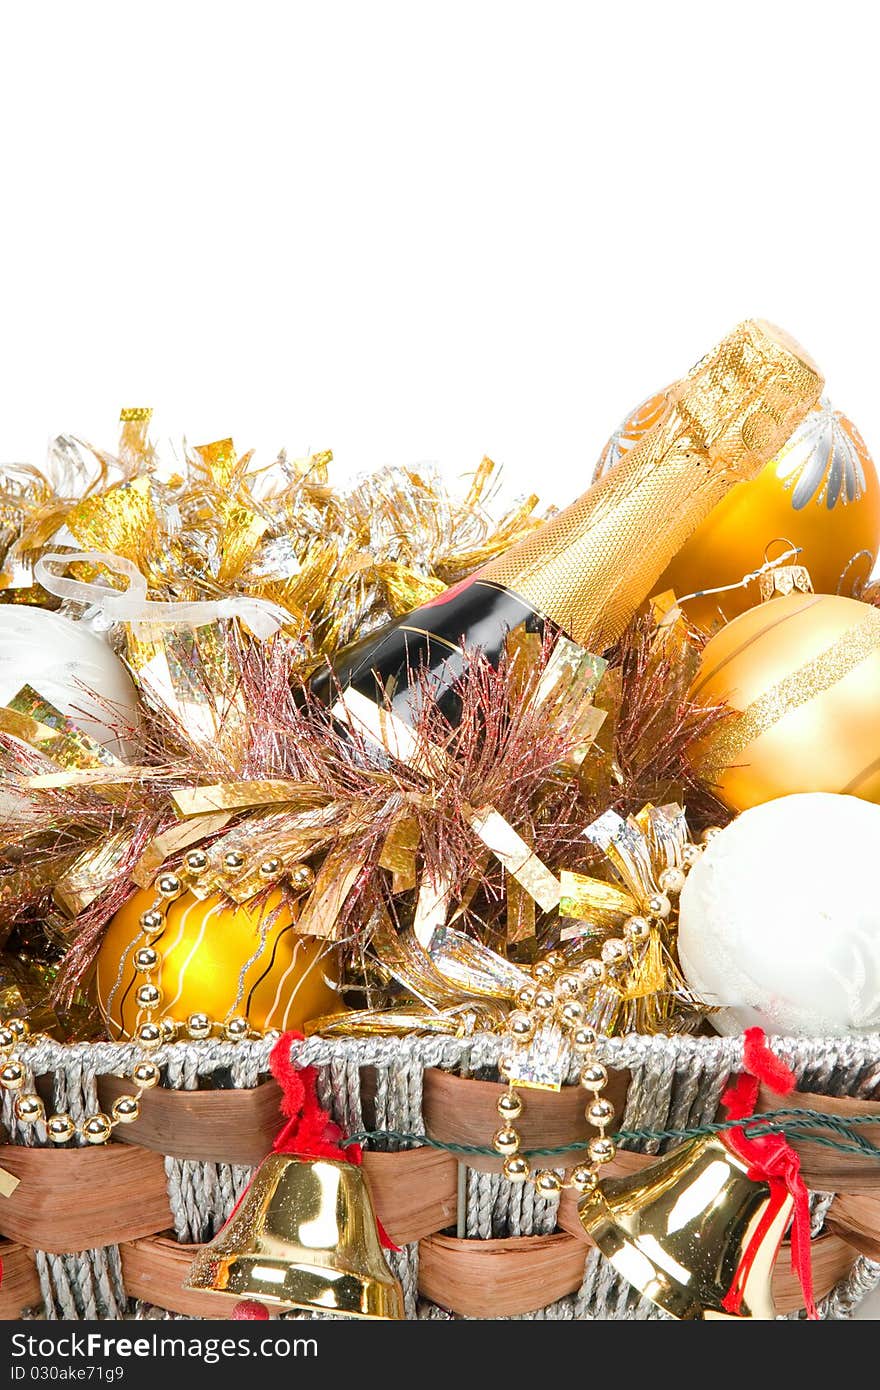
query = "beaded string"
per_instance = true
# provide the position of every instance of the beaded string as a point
(152, 1029)
(560, 994)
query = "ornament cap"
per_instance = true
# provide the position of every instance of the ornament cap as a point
(785, 579)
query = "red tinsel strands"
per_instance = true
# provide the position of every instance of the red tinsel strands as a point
(771, 1159)
(309, 1132)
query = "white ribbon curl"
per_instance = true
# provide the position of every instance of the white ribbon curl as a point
(132, 605)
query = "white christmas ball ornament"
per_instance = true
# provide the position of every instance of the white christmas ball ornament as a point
(780, 918)
(73, 669)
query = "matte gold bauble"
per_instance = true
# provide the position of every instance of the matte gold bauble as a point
(821, 493)
(217, 960)
(803, 673)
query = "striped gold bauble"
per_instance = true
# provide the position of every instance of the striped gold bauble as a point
(802, 675)
(213, 960)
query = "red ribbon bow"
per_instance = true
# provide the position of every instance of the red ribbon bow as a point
(309, 1132)
(770, 1159)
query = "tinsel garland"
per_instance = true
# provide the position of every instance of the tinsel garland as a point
(289, 781)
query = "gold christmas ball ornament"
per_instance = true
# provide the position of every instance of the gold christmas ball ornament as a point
(821, 492)
(802, 673)
(217, 961)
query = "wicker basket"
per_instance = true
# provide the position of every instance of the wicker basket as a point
(102, 1232)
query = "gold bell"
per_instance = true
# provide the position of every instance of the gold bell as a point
(303, 1236)
(693, 1233)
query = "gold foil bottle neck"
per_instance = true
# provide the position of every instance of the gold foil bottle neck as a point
(591, 567)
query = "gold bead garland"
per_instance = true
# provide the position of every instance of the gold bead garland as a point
(151, 1029)
(61, 1127)
(560, 994)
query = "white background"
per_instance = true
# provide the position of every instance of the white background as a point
(412, 232)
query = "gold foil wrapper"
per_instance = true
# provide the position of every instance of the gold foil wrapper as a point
(518, 858)
(90, 873)
(591, 567)
(602, 905)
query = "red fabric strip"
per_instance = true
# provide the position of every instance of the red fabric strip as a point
(770, 1159)
(309, 1132)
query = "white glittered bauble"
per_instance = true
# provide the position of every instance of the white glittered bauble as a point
(780, 918)
(73, 669)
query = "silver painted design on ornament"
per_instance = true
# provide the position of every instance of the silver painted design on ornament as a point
(821, 462)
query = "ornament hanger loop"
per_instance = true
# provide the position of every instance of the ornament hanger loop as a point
(55, 583)
(857, 586)
(791, 553)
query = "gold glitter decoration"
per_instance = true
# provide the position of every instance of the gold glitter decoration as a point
(90, 872)
(235, 796)
(458, 1021)
(30, 717)
(592, 565)
(521, 915)
(401, 741)
(398, 854)
(122, 520)
(173, 842)
(336, 878)
(438, 864)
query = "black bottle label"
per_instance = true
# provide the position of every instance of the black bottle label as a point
(385, 665)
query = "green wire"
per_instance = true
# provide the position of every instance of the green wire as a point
(798, 1123)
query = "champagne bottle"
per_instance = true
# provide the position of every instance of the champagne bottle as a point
(587, 570)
